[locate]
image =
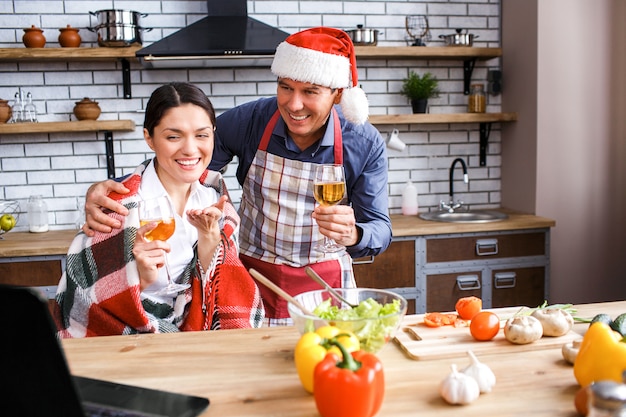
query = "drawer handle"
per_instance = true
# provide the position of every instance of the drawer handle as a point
(486, 247)
(504, 280)
(365, 261)
(468, 282)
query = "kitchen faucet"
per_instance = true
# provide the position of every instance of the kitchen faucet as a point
(451, 205)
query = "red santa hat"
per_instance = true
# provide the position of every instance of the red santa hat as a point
(324, 56)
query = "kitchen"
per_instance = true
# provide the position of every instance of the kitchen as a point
(560, 159)
(579, 192)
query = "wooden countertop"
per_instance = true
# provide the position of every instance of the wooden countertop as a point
(414, 226)
(53, 242)
(251, 372)
(56, 242)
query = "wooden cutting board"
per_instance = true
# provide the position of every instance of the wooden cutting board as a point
(421, 342)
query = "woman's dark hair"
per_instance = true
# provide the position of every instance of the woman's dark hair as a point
(173, 95)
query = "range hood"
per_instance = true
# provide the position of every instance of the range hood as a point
(227, 37)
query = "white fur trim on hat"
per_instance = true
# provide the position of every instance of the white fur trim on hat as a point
(311, 66)
(354, 105)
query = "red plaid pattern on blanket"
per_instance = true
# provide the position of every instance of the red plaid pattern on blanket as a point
(99, 291)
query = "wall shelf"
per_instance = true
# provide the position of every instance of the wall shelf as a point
(396, 119)
(123, 55)
(427, 52)
(77, 126)
(67, 54)
(484, 120)
(106, 126)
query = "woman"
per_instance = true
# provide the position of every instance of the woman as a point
(111, 282)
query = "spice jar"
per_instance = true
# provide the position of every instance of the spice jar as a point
(87, 109)
(37, 214)
(5, 111)
(69, 37)
(477, 102)
(33, 37)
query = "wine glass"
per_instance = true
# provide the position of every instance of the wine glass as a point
(160, 211)
(329, 187)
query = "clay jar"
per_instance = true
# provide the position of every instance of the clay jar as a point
(69, 37)
(33, 37)
(5, 111)
(86, 109)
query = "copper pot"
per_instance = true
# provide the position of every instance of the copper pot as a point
(5, 111)
(87, 109)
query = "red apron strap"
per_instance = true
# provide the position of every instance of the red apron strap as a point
(267, 133)
(338, 143)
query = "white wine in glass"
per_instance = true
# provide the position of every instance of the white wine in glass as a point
(159, 210)
(329, 187)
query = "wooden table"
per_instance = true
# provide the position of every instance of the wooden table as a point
(251, 372)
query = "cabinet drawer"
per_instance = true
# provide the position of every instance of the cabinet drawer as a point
(31, 273)
(485, 247)
(518, 287)
(443, 290)
(394, 268)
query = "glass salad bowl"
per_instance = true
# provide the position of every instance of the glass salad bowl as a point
(374, 320)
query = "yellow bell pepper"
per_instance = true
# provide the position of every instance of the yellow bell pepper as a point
(313, 347)
(602, 355)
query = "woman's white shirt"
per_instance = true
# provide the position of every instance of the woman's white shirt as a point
(185, 235)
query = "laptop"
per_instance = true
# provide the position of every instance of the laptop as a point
(35, 379)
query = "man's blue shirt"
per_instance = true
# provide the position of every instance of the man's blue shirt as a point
(239, 133)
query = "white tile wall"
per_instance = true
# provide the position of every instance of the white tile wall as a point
(61, 166)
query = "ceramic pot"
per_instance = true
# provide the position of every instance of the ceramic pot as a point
(33, 37)
(5, 111)
(69, 37)
(86, 109)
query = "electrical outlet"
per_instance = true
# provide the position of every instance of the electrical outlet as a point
(494, 85)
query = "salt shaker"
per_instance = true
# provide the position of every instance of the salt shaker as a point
(37, 214)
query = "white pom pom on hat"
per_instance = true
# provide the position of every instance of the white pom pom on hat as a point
(324, 56)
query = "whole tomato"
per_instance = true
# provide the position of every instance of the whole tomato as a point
(468, 307)
(485, 325)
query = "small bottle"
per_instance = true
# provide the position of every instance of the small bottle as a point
(477, 102)
(409, 200)
(607, 399)
(37, 214)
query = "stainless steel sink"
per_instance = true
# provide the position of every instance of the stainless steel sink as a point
(472, 216)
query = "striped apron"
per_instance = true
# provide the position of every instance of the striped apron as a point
(278, 234)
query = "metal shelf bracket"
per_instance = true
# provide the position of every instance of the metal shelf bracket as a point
(126, 78)
(108, 144)
(485, 130)
(468, 68)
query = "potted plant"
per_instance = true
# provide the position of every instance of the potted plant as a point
(419, 89)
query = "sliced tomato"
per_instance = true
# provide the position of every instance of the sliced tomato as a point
(439, 319)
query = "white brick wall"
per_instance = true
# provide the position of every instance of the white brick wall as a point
(62, 165)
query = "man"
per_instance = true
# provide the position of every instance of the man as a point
(317, 117)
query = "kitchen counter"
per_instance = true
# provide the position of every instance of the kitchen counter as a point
(251, 372)
(414, 226)
(53, 242)
(56, 242)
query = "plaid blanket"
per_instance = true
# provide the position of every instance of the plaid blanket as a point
(99, 291)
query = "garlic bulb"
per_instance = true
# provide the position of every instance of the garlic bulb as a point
(483, 375)
(458, 388)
